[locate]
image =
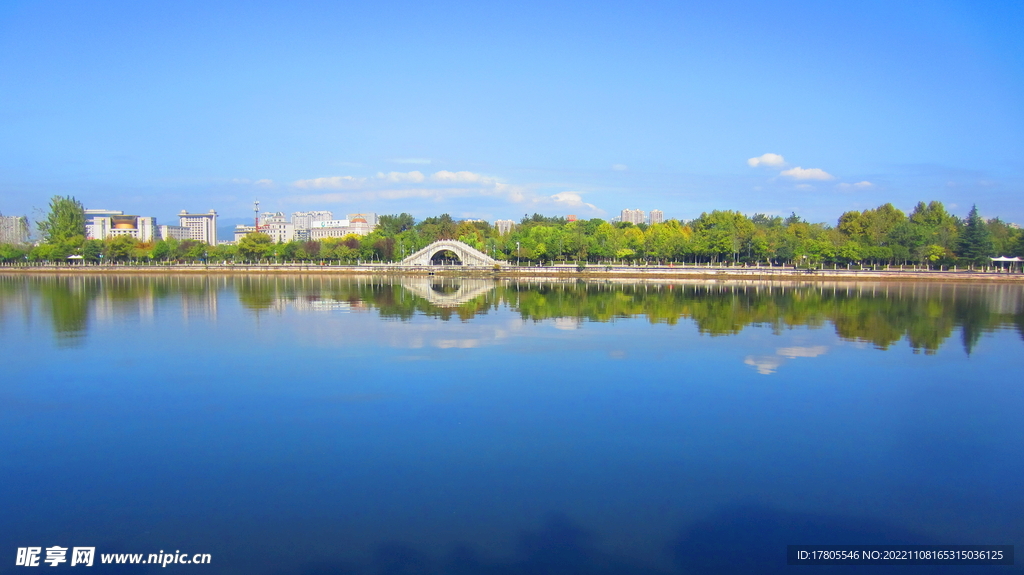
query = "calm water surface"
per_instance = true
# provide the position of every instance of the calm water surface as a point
(353, 425)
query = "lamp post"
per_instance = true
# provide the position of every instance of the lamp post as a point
(518, 251)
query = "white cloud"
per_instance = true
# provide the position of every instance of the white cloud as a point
(572, 200)
(770, 160)
(620, 167)
(799, 173)
(264, 182)
(461, 178)
(858, 185)
(414, 176)
(797, 351)
(410, 160)
(804, 187)
(335, 182)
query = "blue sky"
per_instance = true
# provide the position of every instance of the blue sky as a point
(498, 109)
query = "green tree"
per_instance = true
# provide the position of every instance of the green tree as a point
(254, 246)
(976, 240)
(65, 223)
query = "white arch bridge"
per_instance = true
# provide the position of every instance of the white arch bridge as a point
(468, 255)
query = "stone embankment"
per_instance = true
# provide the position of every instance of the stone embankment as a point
(883, 273)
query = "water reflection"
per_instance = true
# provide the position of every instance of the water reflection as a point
(926, 315)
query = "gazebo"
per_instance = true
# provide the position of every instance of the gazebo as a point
(1010, 261)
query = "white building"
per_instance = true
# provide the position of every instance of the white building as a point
(104, 224)
(166, 232)
(504, 226)
(304, 220)
(338, 229)
(366, 218)
(13, 229)
(242, 230)
(633, 216)
(201, 227)
(277, 226)
(657, 217)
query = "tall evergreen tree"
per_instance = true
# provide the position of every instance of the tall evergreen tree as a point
(976, 240)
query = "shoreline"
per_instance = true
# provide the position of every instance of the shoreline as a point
(556, 272)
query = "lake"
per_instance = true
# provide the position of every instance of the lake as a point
(330, 424)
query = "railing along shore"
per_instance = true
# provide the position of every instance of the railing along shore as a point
(589, 270)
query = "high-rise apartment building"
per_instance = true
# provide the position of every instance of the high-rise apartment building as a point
(504, 226)
(633, 216)
(201, 227)
(304, 220)
(13, 229)
(657, 217)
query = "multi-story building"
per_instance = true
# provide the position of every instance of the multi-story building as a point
(242, 230)
(657, 217)
(504, 226)
(104, 224)
(633, 216)
(367, 218)
(167, 232)
(13, 230)
(201, 227)
(304, 220)
(277, 226)
(338, 229)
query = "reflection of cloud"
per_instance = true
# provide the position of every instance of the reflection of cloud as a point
(617, 354)
(794, 352)
(768, 364)
(765, 364)
(456, 343)
(567, 323)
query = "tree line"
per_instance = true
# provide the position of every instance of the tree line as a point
(929, 235)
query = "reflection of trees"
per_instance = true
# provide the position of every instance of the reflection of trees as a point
(257, 294)
(926, 315)
(67, 299)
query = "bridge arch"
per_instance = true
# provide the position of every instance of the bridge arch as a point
(468, 255)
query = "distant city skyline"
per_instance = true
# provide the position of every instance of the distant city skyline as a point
(486, 112)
